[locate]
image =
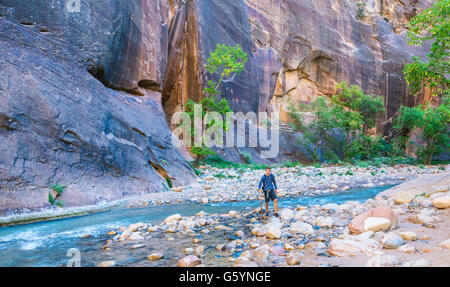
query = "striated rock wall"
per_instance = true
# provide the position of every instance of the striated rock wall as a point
(297, 50)
(85, 94)
(61, 125)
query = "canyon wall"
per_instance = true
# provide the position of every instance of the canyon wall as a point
(80, 102)
(87, 91)
(297, 50)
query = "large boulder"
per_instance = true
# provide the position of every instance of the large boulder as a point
(189, 261)
(357, 224)
(442, 202)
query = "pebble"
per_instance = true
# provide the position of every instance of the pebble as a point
(155, 256)
(392, 241)
(409, 235)
(107, 264)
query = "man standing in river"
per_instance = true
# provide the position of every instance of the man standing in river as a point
(268, 185)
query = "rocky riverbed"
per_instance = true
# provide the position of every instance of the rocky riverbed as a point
(391, 230)
(223, 185)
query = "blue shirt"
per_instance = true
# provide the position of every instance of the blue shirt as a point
(268, 182)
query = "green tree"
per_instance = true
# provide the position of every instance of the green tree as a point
(432, 25)
(317, 130)
(434, 124)
(225, 63)
(353, 98)
(349, 122)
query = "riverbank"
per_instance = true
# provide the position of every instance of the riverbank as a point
(390, 230)
(216, 185)
(234, 184)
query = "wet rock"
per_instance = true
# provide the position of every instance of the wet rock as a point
(189, 250)
(155, 256)
(173, 218)
(330, 207)
(258, 231)
(220, 247)
(222, 227)
(293, 258)
(134, 227)
(136, 237)
(274, 232)
(302, 228)
(286, 214)
(324, 222)
(199, 250)
(189, 261)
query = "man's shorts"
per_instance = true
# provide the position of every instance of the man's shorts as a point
(270, 195)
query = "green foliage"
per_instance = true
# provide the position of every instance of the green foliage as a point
(368, 107)
(352, 112)
(361, 10)
(197, 172)
(169, 182)
(434, 125)
(51, 200)
(225, 62)
(247, 157)
(317, 131)
(432, 25)
(59, 189)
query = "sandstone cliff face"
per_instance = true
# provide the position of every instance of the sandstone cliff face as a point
(60, 125)
(297, 50)
(85, 95)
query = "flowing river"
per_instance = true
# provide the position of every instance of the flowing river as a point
(48, 243)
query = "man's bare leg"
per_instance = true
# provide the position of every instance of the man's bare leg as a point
(276, 205)
(267, 207)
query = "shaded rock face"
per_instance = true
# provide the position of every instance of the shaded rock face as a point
(60, 125)
(297, 50)
(122, 43)
(84, 95)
